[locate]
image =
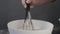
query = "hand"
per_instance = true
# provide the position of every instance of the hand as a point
(35, 2)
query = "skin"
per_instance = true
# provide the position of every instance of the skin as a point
(35, 2)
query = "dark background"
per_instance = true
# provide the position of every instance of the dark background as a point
(13, 10)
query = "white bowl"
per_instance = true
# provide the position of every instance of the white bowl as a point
(44, 27)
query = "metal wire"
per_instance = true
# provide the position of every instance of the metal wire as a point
(29, 25)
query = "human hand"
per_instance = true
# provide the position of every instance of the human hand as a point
(36, 2)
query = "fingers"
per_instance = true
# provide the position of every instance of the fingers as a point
(23, 2)
(27, 1)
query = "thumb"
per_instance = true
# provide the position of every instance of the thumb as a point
(28, 1)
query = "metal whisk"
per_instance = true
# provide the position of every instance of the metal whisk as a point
(27, 25)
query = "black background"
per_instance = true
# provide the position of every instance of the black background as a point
(13, 10)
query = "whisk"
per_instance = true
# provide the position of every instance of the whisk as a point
(28, 25)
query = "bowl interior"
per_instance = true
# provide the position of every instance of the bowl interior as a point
(37, 24)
